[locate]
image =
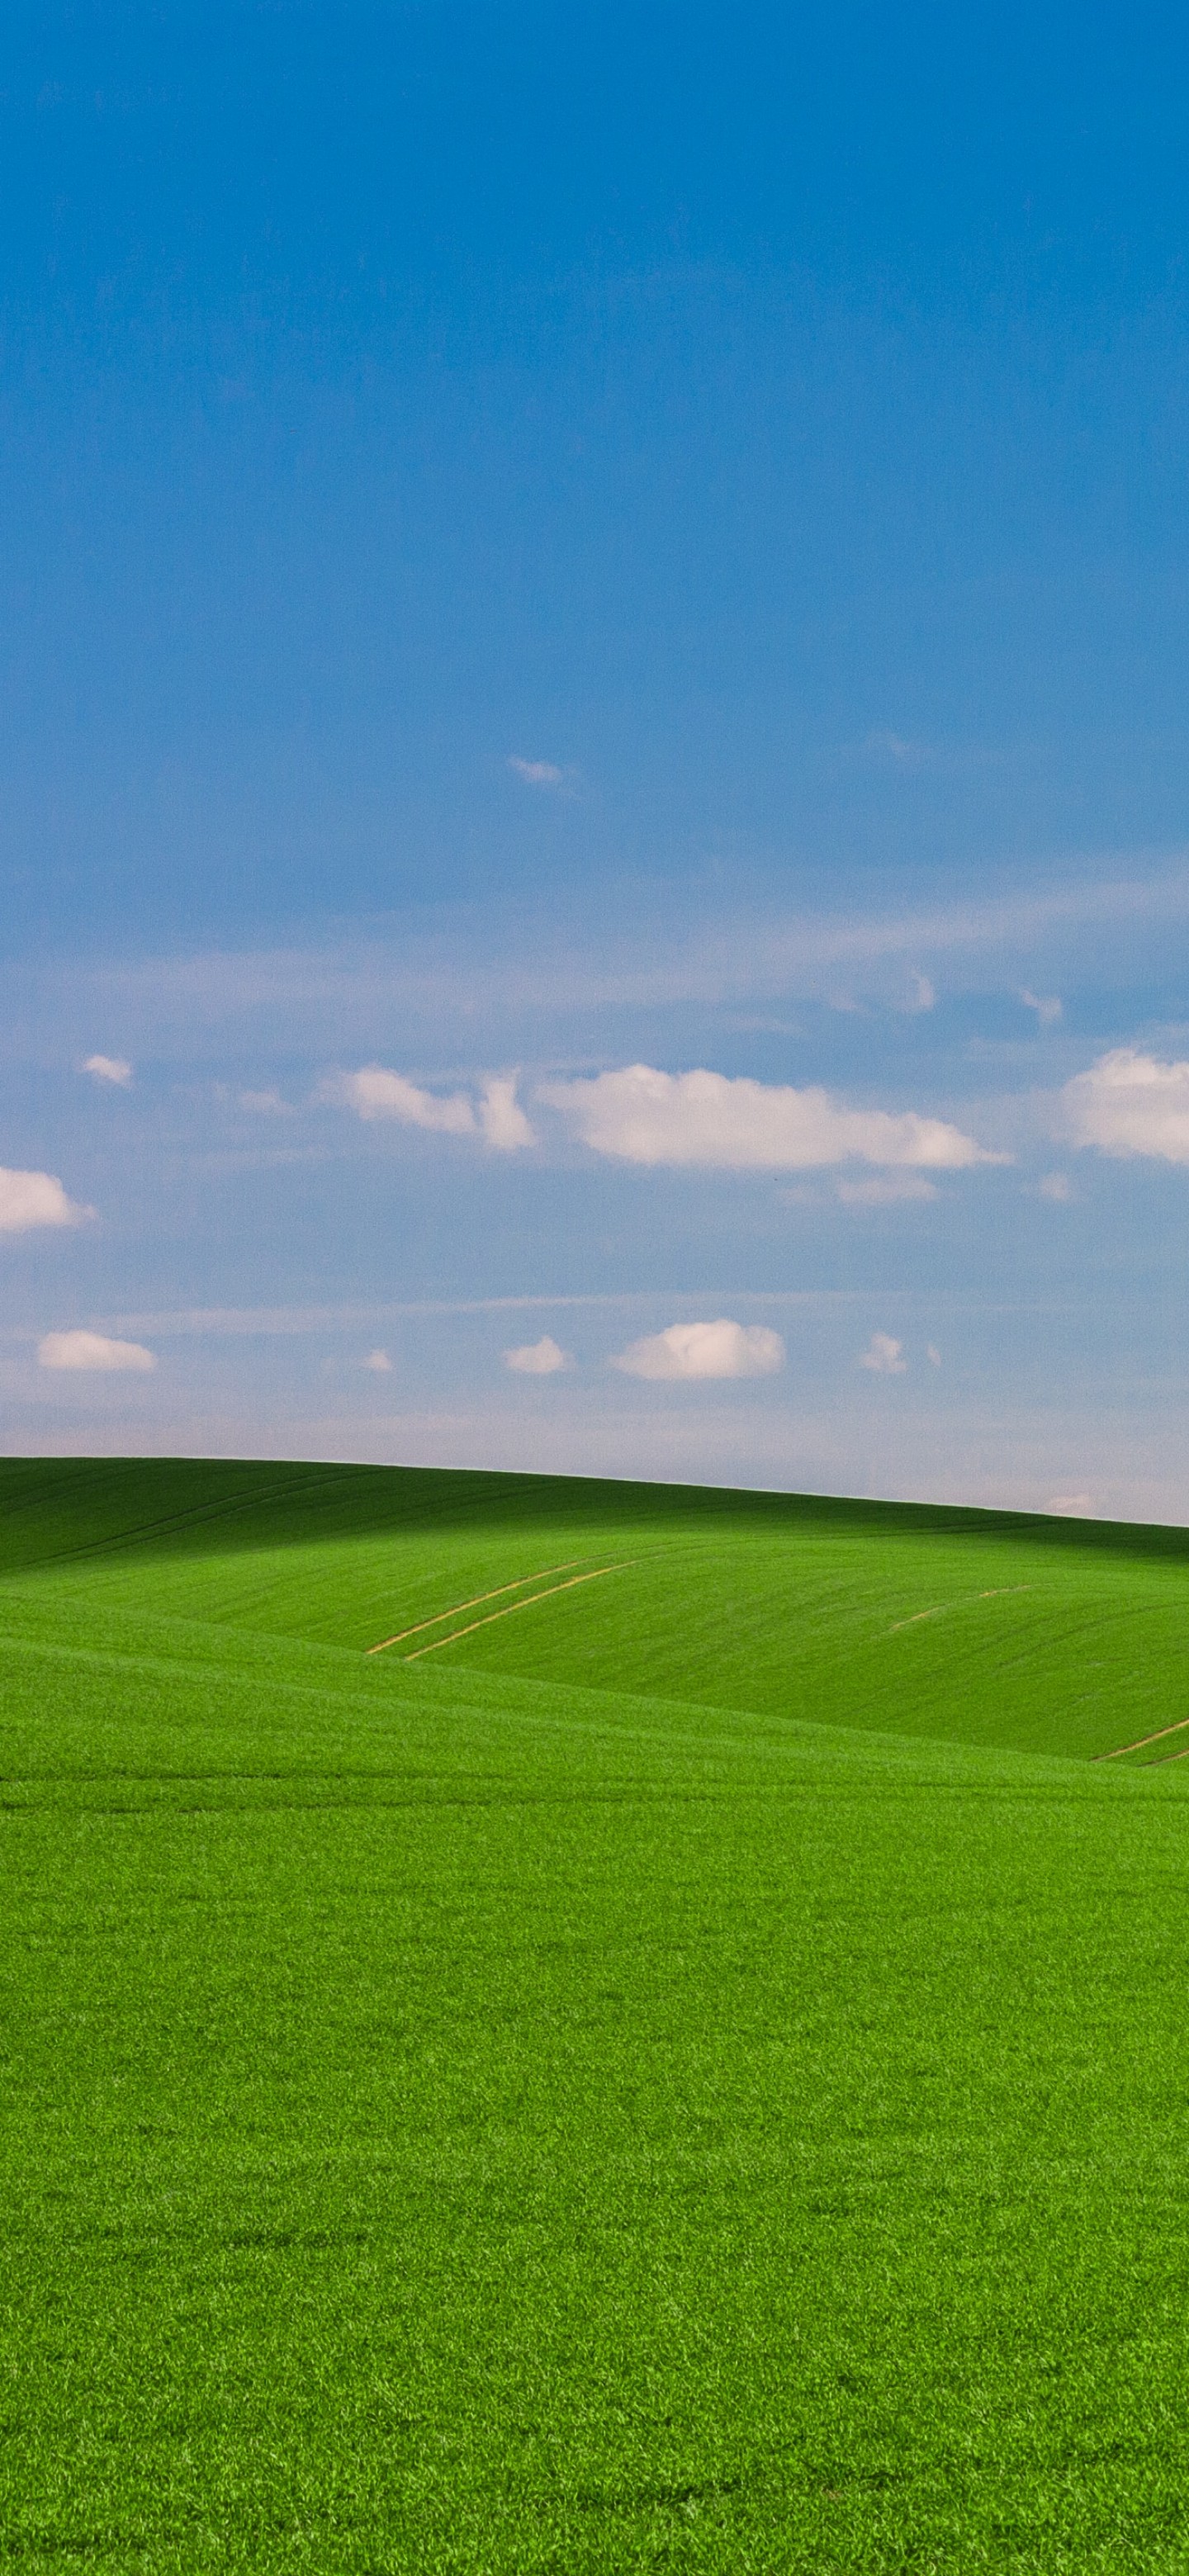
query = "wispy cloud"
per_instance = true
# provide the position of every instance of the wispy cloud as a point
(721, 1349)
(264, 1104)
(632, 957)
(109, 1068)
(884, 1355)
(287, 1322)
(97, 1351)
(898, 749)
(379, 1364)
(31, 1199)
(536, 773)
(1046, 1006)
(722, 1123)
(1129, 1103)
(907, 753)
(537, 1359)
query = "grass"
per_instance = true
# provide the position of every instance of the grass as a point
(692, 2075)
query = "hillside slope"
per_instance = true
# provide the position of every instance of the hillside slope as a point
(973, 1627)
(476, 2126)
(510, 2113)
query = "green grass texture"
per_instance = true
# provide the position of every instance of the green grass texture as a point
(688, 2073)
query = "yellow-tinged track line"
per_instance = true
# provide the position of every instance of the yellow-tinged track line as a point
(1141, 1740)
(939, 1606)
(460, 1606)
(530, 1604)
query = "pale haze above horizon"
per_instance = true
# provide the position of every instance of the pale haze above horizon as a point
(594, 808)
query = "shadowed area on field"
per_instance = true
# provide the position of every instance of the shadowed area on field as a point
(51, 1508)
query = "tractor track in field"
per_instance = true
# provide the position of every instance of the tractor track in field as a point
(1002, 1592)
(1118, 1750)
(492, 1615)
(457, 1607)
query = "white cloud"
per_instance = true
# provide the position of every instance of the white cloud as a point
(538, 1359)
(1046, 1006)
(109, 1068)
(722, 1349)
(1129, 1103)
(933, 1355)
(1072, 1505)
(536, 773)
(879, 1191)
(500, 1115)
(923, 995)
(379, 1363)
(374, 1092)
(885, 1355)
(1056, 1186)
(29, 1199)
(728, 1124)
(92, 1351)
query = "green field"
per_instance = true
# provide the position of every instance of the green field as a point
(678, 2062)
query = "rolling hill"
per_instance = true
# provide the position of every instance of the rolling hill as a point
(585, 2027)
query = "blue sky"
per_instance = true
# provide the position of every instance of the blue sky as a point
(596, 759)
